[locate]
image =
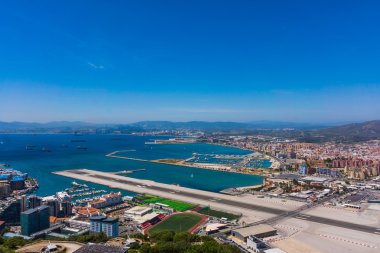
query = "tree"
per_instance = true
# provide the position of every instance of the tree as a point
(140, 236)
(187, 237)
(145, 248)
(164, 236)
(95, 238)
(5, 250)
(14, 242)
(213, 247)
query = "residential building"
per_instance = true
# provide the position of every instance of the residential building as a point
(53, 204)
(109, 226)
(303, 170)
(34, 201)
(5, 190)
(17, 183)
(34, 220)
(23, 203)
(107, 200)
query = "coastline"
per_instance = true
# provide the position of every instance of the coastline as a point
(112, 155)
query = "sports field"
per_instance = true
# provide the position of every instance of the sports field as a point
(176, 205)
(177, 223)
(218, 214)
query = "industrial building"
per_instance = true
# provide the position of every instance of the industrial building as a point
(256, 244)
(259, 231)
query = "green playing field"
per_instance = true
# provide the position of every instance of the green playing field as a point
(177, 223)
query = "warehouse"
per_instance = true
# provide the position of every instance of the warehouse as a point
(260, 231)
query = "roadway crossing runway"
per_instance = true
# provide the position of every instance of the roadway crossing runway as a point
(145, 186)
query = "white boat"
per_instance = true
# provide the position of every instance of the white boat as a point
(75, 184)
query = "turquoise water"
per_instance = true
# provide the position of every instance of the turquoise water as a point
(259, 164)
(180, 151)
(66, 155)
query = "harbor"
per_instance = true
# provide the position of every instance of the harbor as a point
(251, 163)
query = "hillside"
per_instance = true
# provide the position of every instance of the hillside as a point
(365, 131)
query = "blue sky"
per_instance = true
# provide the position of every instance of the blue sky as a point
(125, 61)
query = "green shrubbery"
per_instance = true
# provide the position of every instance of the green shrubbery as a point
(219, 214)
(10, 244)
(183, 242)
(94, 238)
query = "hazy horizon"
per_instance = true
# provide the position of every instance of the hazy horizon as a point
(240, 61)
(319, 123)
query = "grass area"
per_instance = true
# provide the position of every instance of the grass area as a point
(219, 214)
(145, 197)
(176, 205)
(177, 223)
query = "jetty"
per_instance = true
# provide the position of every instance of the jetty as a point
(126, 171)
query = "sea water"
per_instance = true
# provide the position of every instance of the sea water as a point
(30, 153)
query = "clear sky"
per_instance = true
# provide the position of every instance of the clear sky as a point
(125, 61)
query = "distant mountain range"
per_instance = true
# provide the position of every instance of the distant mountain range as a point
(369, 130)
(204, 125)
(158, 125)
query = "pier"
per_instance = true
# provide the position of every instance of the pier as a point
(125, 157)
(184, 163)
(126, 171)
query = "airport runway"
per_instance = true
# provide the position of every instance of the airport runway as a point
(338, 223)
(145, 186)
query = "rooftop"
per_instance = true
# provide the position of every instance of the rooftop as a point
(315, 179)
(111, 220)
(254, 230)
(274, 250)
(98, 218)
(138, 210)
(98, 248)
(39, 208)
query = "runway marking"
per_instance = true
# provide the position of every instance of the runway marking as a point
(349, 241)
(198, 196)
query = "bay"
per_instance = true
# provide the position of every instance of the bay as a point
(53, 152)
